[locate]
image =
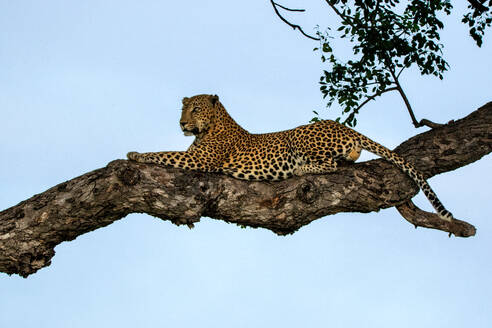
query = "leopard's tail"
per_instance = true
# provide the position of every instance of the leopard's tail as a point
(410, 170)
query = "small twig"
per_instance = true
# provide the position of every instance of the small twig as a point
(371, 83)
(374, 96)
(399, 73)
(294, 26)
(288, 9)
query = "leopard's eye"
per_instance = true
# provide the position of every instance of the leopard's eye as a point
(195, 109)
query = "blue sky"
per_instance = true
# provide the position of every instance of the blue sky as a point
(84, 82)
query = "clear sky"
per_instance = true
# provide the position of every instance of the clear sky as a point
(84, 82)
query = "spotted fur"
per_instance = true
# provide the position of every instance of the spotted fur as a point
(221, 145)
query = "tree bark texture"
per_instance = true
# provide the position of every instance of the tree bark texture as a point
(30, 230)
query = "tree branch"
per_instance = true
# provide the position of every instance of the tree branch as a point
(399, 73)
(420, 218)
(285, 8)
(30, 230)
(417, 124)
(294, 26)
(369, 98)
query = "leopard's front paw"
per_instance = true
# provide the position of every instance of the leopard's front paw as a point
(133, 156)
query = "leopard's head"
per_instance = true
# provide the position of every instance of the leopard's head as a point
(198, 114)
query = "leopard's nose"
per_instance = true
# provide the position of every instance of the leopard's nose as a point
(182, 123)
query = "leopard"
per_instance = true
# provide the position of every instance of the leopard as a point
(222, 145)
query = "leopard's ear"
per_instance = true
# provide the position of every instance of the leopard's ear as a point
(185, 100)
(214, 99)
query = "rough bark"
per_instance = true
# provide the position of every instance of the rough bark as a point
(30, 230)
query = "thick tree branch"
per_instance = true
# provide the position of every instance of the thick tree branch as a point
(30, 230)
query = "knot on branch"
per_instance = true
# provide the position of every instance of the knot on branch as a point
(308, 192)
(128, 175)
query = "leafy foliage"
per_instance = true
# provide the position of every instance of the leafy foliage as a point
(387, 38)
(479, 17)
(384, 44)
